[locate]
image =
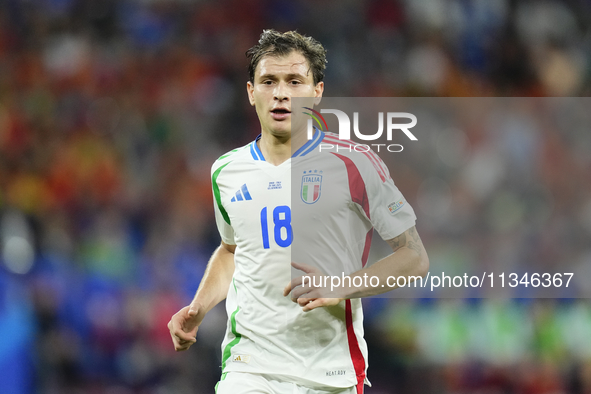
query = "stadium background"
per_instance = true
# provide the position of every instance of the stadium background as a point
(111, 113)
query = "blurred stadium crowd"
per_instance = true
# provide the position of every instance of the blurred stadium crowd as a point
(111, 113)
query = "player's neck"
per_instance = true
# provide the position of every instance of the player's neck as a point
(277, 150)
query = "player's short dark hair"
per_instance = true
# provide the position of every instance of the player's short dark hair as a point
(274, 43)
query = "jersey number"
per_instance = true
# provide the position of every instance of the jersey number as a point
(281, 220)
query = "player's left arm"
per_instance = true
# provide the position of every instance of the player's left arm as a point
(409, 259)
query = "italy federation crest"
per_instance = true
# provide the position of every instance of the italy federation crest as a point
(311, 186)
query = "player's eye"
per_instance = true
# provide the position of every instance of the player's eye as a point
(295, 82)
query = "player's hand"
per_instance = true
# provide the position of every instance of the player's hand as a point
(183, 326)
(308, 297)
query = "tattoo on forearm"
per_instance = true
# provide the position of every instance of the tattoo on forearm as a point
(416, 247)
(416, 244)
(398, 242)
(413, 241)
(414, 234)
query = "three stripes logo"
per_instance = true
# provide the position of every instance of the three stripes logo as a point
(242, 194)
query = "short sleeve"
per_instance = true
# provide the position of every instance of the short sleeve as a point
(224, 228)
(222, 219)
(389, 212)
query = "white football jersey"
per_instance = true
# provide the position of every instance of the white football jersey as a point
(318, 208)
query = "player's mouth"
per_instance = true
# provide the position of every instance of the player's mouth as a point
(280, 113)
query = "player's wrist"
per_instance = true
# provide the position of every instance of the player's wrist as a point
(198, 306)
(341, 293)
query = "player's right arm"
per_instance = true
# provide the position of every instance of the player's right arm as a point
(214, 287)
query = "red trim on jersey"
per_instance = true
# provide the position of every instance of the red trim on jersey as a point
(356, 355)
(373, 158)
(359, 388)
(334, 137)
(366, 248)
(356, 184)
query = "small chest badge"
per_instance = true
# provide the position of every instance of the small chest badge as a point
(311, 186)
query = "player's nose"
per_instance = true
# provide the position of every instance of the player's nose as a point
(281, 92)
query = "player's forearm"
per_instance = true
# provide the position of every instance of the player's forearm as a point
(406, 262)
(216, 279)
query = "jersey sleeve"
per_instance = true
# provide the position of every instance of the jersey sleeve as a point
(389, 212)
(222, 219)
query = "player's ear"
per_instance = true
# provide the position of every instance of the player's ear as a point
(318, 90)
(250, 91)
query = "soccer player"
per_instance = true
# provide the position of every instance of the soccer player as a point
(284, 336)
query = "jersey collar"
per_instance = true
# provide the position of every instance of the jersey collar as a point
(303, 151)
(311, 144)
(255, 151)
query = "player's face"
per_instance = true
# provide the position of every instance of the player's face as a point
(276, 81)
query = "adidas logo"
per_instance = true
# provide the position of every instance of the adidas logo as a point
(241, 194)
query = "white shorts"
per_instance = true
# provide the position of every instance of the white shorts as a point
(250, 383)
